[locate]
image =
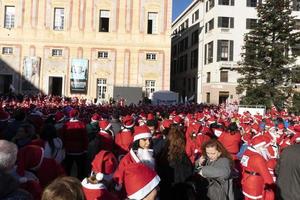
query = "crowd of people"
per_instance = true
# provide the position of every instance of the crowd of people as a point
(66, 148)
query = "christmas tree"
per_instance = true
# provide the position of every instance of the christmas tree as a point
(268, 70)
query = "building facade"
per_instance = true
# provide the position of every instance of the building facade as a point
(206, 46)
(85, 47)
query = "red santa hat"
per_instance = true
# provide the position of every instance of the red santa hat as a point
(150, 116)
(139, 180)
(73, 113)
(141, 132)
(104, 165)
(166, 123)
(59, 116)
(128, 121)
(4, 116)
(104, 125)
(177, 120)
(96, 117)
(29, 158)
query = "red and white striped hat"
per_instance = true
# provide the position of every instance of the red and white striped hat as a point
(139, 180)
(141, 132)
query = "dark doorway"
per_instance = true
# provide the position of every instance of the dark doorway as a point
(55, 85)
(5, 81)
(223, 96)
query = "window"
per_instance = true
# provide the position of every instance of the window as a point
(208, 77)
(225, 22)
(186, 43)
(101, 88)
(226, 2)
(59, 19)
(224, 76)
(210, 4)
(251, 3)
(250, 23)
(189, 85)
(149, 87)
(7, 50)
(102, 54)
(194, 59)
(297, 24)
(152, 23)
(208, 97)
(225, 50)
(9, 20)
(209, 25)
(194, 84)
(104, 21)
(57, 52)
(195, 37)
(150, 56)
(208, 52)
(195, 16)
(296, 5)
(183, 63)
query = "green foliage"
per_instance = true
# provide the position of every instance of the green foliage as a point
(267, 67)
(296, 104)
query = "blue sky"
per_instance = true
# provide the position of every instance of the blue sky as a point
(179, 6)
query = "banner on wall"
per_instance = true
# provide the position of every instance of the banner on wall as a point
(31, 73)
(79, 76)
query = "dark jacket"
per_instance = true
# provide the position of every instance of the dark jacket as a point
(116, 125)
(9, 189)
(288, 171)
(92, 129)
(176, 171)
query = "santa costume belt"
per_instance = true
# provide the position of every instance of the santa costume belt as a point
(252, 173)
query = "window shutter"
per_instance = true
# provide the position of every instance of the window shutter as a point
(212, 23)
(231, 22)
(206, 28)
(220, 2)
(231, 50)
(219, 50)
(232, 3)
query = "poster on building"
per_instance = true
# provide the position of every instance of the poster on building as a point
(31, 73)
(79, 76)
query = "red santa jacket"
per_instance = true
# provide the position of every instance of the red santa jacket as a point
(74, 137)
(48, 171)
(129, 158)
(193, 146)
(96, 191)
(231, 142)
(123, 141)
(256, 176)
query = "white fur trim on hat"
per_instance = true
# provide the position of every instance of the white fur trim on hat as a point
(143, 192)
(40, 162)
(99, 176)
(23, 179)
(142, 135)
(259, 144)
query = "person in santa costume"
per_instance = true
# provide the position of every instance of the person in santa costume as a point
(96, 185)
(141, 182)
(32, 158)
(106, 135)
(257, 182)
(75, 139)
(124, 138)
(140, 152)
(194, 140)
(4, 117)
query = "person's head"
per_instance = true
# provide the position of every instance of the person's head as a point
(142, 138)
(19, 115)
(213, 150)
(8, 155)
(175, 142)
(64, 188)
(48, 132)
(25, 132)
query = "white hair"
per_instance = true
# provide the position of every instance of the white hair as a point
(8, 155)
